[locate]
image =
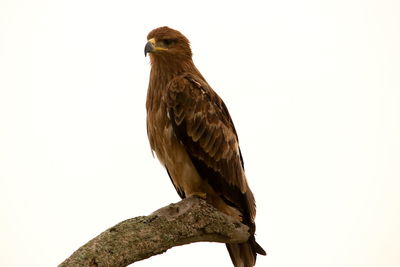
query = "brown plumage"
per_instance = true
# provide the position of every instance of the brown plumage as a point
(193, 136)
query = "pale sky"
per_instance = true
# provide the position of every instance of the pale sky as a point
(313, 88)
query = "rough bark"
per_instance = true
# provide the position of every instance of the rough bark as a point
(190, 220)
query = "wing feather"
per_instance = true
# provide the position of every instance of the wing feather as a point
(203, 125)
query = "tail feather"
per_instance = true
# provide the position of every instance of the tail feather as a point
(245, 254)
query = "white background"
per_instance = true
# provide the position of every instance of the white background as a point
(313, 88)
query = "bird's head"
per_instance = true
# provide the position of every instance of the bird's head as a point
(165, 42)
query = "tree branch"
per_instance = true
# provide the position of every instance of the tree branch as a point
(190, 220)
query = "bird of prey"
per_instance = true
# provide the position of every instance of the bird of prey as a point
(192, 134)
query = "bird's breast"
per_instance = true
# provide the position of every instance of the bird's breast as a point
(159, 129)
(170, 151)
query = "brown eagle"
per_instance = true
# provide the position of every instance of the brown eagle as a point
(193, 136)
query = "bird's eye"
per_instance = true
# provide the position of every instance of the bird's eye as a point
(167, 42)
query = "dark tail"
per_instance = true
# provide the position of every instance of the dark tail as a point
(245, 254)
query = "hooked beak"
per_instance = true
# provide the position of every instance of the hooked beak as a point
(150, 46)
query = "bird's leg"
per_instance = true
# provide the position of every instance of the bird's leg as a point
(201, 195)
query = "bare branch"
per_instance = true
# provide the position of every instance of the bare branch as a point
(190, 220)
